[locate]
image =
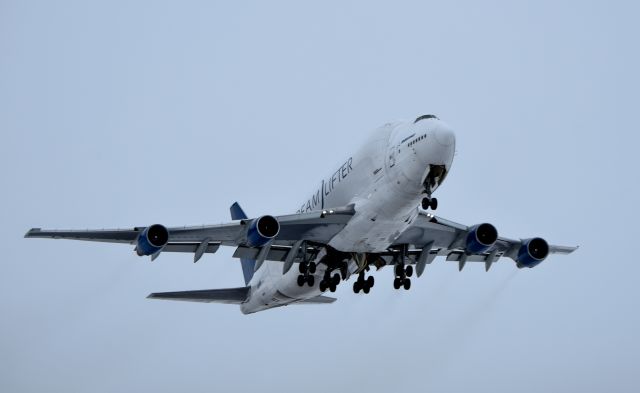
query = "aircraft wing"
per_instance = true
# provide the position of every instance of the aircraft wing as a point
(314, 227)
(434, 236)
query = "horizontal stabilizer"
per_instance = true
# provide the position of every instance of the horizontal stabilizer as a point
(225, 295)
(318, 300)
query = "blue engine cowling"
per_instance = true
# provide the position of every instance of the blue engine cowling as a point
(532, 252)
(152, 239)
(261, 230)
(481, 237)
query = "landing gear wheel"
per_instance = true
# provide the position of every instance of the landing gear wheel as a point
(407, 284)
(302, 267)
(397, 283)
(356, 287)
(409, 271)
(323, 286)
(311, 280)
(366, 289)
(301, 280)
(336, 279)
(399, 270)
(370, 282)
(312, 267)
(429, 203)
(332, 287)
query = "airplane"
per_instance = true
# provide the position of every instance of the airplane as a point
(375, 210)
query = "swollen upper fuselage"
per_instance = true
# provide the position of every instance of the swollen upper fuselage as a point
(413, 156)
(386, 178)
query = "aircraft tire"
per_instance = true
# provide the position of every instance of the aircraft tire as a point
(301, 280)
(336, 279)
(434, 203)
(409, 271)
(312, 267)
(397, 283)
(407, 284)
(311, 280)
(370, 281)
(366, 289)
(332, 287)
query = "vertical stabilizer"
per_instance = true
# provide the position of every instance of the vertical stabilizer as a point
(248, 265)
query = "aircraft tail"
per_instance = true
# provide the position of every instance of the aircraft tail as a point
(225, 295)
(248, 265)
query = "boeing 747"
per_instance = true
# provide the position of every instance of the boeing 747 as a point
(376, 209)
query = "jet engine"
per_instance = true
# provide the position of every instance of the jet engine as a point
(481, 237)
(152, 239)
(532, 252)
(261, 230)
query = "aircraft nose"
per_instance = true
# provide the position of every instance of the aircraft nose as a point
(444, 136)
(440, 148)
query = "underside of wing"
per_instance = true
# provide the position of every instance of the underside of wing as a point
(430, 236)
(96, 235)
(281, 232)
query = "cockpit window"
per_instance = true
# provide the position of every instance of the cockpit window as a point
(426, 117)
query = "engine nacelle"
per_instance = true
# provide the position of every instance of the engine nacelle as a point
(261, 230)
(481, 237)
(532, 252)
(152, 239)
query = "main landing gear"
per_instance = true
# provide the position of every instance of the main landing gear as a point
(307, 269)
(402, 277)
(363, 284)
(329, 282)
(429, 203)
(335, 273)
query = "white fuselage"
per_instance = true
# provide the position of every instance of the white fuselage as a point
(385, 180)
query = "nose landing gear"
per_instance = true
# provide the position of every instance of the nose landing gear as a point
(429, 203)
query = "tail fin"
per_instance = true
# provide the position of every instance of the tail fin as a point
(248, 265)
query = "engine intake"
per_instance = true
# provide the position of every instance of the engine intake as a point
(152, 239)
(532, 252)
(262, 230)
(481, 237)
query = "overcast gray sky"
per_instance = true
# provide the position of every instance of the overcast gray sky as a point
(120, 113)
